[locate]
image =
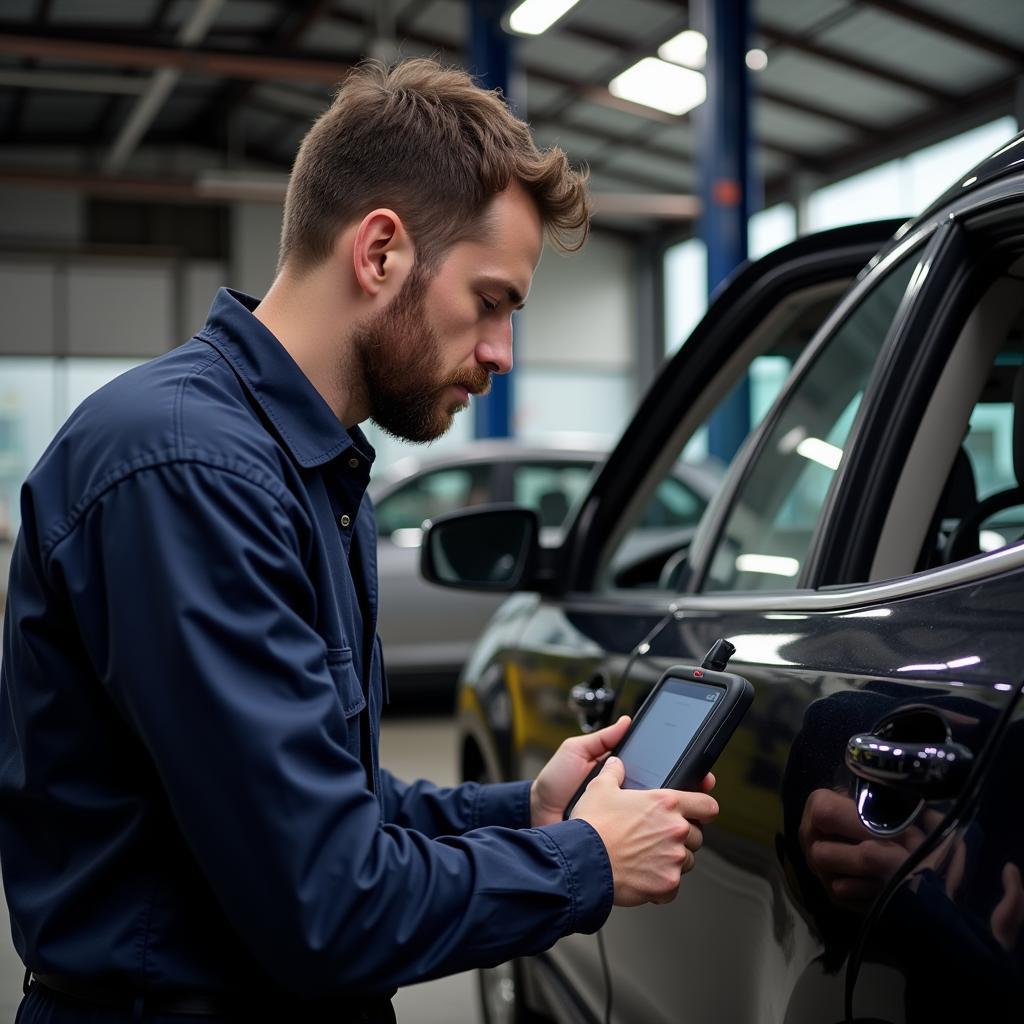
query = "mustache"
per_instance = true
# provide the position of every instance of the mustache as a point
(476, 382)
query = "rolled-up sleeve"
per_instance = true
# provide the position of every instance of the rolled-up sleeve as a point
(189, 581)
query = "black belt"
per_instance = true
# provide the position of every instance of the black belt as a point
(369, 1009)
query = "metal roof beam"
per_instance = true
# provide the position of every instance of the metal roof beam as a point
(956, 30)
(193, 60)
(803, 43)
(926, 129)
(290, 29)
(72, 81)
(158, 90)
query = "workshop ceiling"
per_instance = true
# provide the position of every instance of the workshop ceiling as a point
(158, 97)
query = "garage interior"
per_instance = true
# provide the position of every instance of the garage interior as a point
(145, 147)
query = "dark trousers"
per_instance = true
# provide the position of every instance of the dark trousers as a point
(41, 1006)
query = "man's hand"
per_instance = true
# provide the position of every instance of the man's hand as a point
(651, 835)
(559, 779)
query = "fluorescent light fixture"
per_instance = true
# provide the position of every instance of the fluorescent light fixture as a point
(990, 540)
(972, 659)
(757, 60)
(656, 83)
(532, 17)
(689, 48)
(407, 537)
(773, 565)
(763, 648)
(816, 450)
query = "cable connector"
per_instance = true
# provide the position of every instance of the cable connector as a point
(718, 657)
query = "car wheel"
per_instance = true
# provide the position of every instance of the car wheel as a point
(501, 996)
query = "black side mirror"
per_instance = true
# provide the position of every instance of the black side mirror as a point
(493, 548)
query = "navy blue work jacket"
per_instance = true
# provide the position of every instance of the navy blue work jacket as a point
(190, 794)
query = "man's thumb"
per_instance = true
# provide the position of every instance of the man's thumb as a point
(614, 768)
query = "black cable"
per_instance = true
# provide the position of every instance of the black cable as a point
(638, 651)
(607, 977)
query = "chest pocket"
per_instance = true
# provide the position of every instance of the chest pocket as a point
(346, 681)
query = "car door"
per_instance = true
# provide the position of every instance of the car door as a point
(943, 939)
(594, 634)
(832, 889)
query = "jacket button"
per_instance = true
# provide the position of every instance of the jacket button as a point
(345, 520)
(353, 463)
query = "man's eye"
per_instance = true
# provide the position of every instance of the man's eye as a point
(488, 304)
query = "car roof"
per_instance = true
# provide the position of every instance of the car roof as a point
(1005, 160)
(488, 451)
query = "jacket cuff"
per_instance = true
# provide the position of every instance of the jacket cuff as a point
(588, 871)
(506, 804)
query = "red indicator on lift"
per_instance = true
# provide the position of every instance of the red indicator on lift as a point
(698, 673)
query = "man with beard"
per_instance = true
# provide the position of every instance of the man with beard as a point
(193, 818)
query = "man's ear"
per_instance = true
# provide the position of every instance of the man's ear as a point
(382, 254)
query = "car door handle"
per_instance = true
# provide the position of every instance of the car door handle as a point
(931, 770)
(593, 702)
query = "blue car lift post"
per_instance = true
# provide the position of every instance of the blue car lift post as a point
(725, 173)
(491, 56)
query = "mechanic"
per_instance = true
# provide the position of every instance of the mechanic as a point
(193, 818)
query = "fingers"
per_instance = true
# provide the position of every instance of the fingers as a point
(874, 860)
(695, 806)
(1008, 915)
(596, 744)
(831, 814)
(695, 837)
(955, 871)
(708, 783)
(613, 773)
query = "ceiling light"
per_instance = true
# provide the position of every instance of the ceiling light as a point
(656, 83)
(774, 565)
(757, 60)
(532, 17)
(689, 48)
(819, 451)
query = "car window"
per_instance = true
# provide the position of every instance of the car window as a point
(774, 514)
(651, 549)
(433, 494)
(674, 504)
(960, 490)
(552, 488)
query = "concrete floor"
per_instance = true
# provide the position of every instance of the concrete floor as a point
(411, 747)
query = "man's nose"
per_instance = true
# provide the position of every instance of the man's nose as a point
(495, 349)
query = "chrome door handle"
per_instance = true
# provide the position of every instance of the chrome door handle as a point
(931, 770)
(593, 702)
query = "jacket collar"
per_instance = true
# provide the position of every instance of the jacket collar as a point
(304, 421)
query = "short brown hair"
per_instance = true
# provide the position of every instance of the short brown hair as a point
(427, 142)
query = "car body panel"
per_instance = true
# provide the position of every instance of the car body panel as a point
(934, 929)
(796, 661)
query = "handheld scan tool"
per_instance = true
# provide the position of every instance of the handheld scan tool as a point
(682, 726)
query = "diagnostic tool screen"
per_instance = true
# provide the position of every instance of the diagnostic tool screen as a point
(664, 732)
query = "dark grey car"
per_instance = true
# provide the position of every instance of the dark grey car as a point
(864, 556)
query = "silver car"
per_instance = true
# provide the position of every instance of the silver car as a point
(428, 631)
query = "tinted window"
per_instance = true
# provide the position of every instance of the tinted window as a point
(551, 488)
(652, 546)
(774, 515)
(432, 494)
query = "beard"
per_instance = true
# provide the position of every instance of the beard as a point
(399, 356)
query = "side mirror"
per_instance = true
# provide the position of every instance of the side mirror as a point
(494, 548)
